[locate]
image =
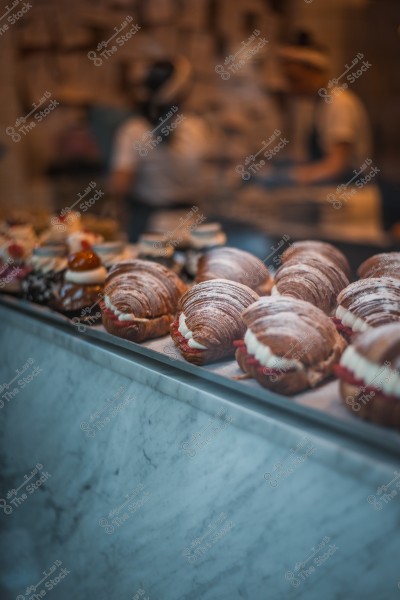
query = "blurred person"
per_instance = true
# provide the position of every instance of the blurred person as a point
(157, 156)
(329, 127)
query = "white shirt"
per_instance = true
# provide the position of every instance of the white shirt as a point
(343, 120)
(167, 172)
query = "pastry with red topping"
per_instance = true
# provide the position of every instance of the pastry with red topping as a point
(369, 375)
(83, 240)
(83, 287)
(209, 320)
(386, 264)
(140, 300)
(367, 303)
(61, 226)
(235, 265)
(289, 345)
(13, 264)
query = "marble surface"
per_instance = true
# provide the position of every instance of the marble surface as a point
(142, 480)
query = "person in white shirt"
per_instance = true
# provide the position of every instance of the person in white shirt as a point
(330, 132)
(157, 157)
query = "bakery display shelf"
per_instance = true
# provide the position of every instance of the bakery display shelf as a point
(321, 405)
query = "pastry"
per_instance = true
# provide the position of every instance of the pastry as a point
(140, 300)
(209, 320)
(83, 240)
(202, 239)
(367, 303)
(235, 265)
(13, 264)
(323, 249)
(111, 253)
(153, 247)
(369, 375)
(82, 290)
(381, 265)
(311, 277)
(61, 226)
(48, 264)
(289, 345)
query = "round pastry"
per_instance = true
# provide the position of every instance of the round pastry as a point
(289, 345)
(61, 226)
(235, 265)
(324, 249)
(153, 246)
(369, 375)
(311, 277)
(13, 267)
(209, 320)
(82, 290)
(367, 303)
(48, 264)
(83, 240)
(386, 264)
(202, 238)
(140, 300)
(111, 253)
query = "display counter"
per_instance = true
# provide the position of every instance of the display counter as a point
(135, 471)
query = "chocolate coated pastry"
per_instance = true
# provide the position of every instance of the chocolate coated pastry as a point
(289, 345)
(386, 264)
(235, 265)
(209, 320)
(140, 300)
(323, 249)
(369, 375)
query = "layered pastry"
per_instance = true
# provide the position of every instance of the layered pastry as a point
(235, 265)
(324, 249)
(140, 300)
(61, 226)
(289, 345)
(310, 277)
(369, 375)
(202, 239)
(386, 264)
(209, 320)
(13, 264)
(23, 234)
(111, 253)
(153, 246)
(48, 265)
(83, 240)
(82, 290)
(367, 303)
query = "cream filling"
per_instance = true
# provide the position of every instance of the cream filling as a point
(274, 291)
(121, 316)
(187, 334)
(267, 358)
(86, 277)
(48, 264)
(350, 320)
(377, 376)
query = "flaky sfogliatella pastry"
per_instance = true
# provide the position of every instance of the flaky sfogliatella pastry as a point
(323, 249)
(386, 264)
(289, 345)
(310, 277)
(140, 300)
(209, 320)
(235, 265)
(367, 303)
(369, 375)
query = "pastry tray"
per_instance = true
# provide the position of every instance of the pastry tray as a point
(321, 405)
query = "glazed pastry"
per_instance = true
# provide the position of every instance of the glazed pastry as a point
(289, 345)
(140, 300)
(209, 320)
(369, 375)
(235, 265)
(367, 303)
(13, 264)
(310, 277)
(111, 253)
(381, 265)
(61, 226)
(82, 290)
(48, 264)
(202, 239)
(83, 240)
(324, 249)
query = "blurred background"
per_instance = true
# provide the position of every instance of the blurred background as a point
(56, 47)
